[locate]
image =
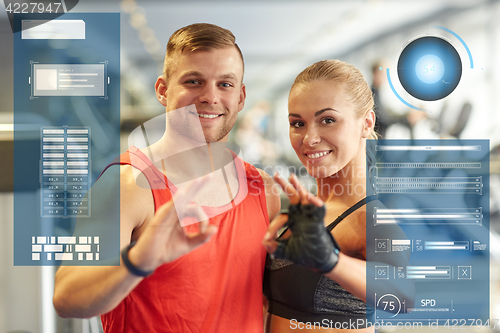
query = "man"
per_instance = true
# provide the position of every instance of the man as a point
(218, 286)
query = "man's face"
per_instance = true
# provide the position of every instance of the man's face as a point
(211, 81)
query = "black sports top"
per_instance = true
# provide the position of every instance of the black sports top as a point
(296, 292)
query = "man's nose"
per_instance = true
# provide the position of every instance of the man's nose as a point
(209, 94)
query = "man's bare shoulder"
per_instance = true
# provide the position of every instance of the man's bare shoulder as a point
(136, 199)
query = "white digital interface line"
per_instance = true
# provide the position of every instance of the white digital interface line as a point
(424, 185)
(65, 248)
(428, 272)
(428, 216)
(68, 79)
(428, 148)
(447, 245)
(53, 29)
(439, 165)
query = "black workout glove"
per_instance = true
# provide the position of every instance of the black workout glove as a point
(310, 244)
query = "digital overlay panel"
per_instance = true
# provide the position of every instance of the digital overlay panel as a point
(66, 130)
(428, 232)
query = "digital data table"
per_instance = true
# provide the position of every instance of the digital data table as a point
(65, 171)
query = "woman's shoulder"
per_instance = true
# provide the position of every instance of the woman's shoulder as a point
(350, 233)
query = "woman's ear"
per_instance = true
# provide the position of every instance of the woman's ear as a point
(368, 124)
(161, 90)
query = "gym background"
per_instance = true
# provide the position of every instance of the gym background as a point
(278, 39)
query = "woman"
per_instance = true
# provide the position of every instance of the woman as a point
(331, 116)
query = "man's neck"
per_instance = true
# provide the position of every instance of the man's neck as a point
(182, 160)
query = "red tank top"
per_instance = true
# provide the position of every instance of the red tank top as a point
(215, 288)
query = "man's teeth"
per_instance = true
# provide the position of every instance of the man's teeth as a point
(318, 154)
(209, 116)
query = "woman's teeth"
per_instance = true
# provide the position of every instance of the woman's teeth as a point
(317, 154)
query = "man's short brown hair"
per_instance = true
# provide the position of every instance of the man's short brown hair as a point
(198, 36)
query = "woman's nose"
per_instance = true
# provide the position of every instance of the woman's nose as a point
(312, 137)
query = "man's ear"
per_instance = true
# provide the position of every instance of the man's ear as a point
(161, 90)
(368, 124)
(243, 95)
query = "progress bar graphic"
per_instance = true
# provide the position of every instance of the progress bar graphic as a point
(428, 272)
(428, 148)
(429, 216)
(455, 245)
(442, 185)
(441, 165)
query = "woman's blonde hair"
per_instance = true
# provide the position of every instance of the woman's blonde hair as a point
(346, 74)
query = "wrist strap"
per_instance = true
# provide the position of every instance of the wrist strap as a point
(131, 268)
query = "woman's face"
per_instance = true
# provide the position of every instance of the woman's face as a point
(325, 130)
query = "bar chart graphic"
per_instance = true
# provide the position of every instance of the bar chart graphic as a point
(65, 171)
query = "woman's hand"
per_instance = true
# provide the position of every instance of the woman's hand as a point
(310, 244)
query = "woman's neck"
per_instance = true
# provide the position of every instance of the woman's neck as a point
(347, 185)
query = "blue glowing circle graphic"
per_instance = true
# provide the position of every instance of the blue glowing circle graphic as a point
(429, 68)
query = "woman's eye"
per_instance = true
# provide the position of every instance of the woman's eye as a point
(296, 124)
(327, 121)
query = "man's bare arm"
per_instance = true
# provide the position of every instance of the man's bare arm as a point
(88, 291)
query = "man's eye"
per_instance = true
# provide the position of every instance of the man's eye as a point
(193, 82)
(226, 85)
